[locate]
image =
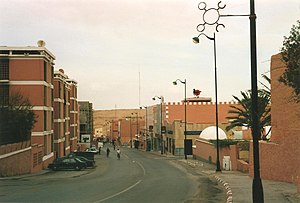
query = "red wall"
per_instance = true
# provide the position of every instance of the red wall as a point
(26, 69)
(21, 156)
(204, 150)
(280, 158)
(202, 112)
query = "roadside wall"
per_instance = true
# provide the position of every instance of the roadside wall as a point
(11, 154)
(280, 158)
(37, 158)
(207, 151)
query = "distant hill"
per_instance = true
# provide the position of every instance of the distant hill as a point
(102, 116)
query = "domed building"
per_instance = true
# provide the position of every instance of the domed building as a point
(209, 133)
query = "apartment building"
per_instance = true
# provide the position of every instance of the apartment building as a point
(61, 114)
(29, 71)
(66, 114)
(74, 115)
(86, 119)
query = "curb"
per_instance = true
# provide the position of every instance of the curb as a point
(16, 177)
(226, 186)
(229, 198)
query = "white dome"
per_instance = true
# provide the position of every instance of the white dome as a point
(209, 133)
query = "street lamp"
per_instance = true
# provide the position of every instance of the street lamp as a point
(137, 123)
(146, 125)
(196, 40)
(129, 117)
(161, 121)
(257, 189)
(184, 143)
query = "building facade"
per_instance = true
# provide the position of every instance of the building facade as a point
(280, 157)
(29, 71)
(61, 114)
(86, 119)
(171, 115)
(74, 115)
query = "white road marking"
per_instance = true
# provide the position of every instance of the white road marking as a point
(125, 190)
(144, 170)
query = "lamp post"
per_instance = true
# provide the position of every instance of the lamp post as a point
(129, 117)
(184, 142)
(137, 123)
(196, 40)
(161, 121)
(257, 189)
(146, 125)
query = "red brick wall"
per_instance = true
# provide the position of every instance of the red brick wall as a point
(26, 69)
(37, 153)
(205, 150)
(11, 154)
(280, 159)
(201, 112)
(125, 129)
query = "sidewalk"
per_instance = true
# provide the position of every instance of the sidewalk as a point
(238, 186)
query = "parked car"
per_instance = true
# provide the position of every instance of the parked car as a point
(67, 163)
(89, 163)
(88, 155)
(92, 149)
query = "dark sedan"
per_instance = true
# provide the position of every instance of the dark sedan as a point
(67, 163)
(89, 163)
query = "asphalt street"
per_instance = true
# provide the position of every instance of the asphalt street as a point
(137, 177)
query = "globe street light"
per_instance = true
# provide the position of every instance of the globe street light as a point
(184, 143)
(196, 40)
(161, 121)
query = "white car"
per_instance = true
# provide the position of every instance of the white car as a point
(94, 150)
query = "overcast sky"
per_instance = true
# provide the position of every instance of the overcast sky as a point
(124, 52)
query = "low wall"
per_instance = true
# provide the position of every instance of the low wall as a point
(37, 158)
(15, 159)
(278, 162)
(242, 166)
(207, 151)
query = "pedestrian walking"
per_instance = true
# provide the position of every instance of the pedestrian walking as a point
(107, 152)
(99, 150)
(119, 153)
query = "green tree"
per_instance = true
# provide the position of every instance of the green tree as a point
(16, 119)
(241, 116)
(291, 57)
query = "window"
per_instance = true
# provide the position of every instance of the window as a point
(45, 96)
(45, 120)
(4, 95)
(45, 71)
(58, 90)
(4, 69)
(52, 74)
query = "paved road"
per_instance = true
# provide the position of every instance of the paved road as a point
(137, 177)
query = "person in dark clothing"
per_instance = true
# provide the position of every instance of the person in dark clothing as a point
(107, 152)
(118, 154)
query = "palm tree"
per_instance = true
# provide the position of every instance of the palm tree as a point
(242, 115)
